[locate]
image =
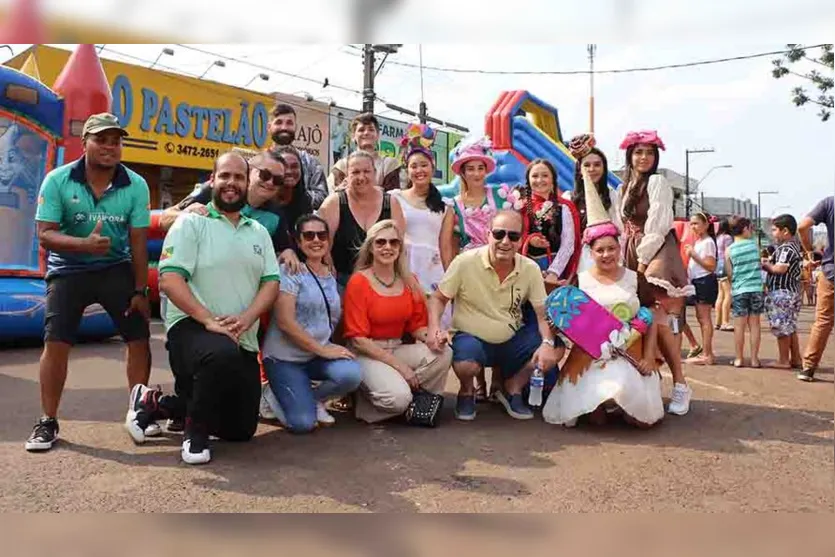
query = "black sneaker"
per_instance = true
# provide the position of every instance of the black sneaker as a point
(806, 375)
(196, 447)
(44, 435)
(175, 425)
(144, 406)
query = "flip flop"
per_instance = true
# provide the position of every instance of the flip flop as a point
(739, 363)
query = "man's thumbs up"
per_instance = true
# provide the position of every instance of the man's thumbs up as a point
(96, 243)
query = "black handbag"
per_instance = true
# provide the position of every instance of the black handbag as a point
(425, 409)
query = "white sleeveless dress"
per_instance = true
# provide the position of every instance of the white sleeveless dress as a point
(614, 380)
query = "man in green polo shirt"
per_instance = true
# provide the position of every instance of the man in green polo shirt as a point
(220, 273)
(92, 217)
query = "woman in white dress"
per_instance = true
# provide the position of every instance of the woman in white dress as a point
(423, 208)
(592, 160)
(596, 388)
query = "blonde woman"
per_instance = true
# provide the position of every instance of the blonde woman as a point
(379, 310)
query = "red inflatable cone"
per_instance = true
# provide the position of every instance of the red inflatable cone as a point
(24, 24)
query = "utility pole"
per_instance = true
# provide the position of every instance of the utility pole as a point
(368, 78)
(760, 214)
(687, 153)
(592, 49)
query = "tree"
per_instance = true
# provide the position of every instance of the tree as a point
(797, 54)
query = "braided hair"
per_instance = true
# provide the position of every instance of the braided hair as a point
(553, 232)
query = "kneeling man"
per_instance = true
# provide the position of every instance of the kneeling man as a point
(490, 287)
(220, 274)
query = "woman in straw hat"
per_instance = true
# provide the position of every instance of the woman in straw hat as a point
(597, 388)
(652, 250)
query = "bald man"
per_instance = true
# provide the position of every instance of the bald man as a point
(491, 286)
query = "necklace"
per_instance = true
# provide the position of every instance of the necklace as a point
(386, 284)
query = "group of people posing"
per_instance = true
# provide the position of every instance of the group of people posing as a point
(279, 299)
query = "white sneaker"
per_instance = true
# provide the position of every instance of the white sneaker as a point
(323, 416)
(153, 430)
(264, 409)
(271, 405)
(199, 457)
(570, 423)
(680, 399)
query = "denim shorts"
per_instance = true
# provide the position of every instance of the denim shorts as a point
(748, 303)
(509, 356)
(707, 289)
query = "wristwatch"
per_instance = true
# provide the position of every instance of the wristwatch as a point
(141, 292)
(549, 342)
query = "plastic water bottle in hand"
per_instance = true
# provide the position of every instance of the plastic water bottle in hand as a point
(537, 382)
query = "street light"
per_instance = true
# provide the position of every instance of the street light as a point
(261, 76)
(699, 183)
(687, 153)
(165, 51)
(218, 63)
(759, 214)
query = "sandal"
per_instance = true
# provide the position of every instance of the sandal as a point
(694, 352)
(738, 363)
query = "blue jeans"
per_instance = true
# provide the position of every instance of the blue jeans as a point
(290, 383)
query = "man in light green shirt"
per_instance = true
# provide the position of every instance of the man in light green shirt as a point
(220, 274)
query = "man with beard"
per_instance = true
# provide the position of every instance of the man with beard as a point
(283, 132)
(92, 217)
(220, 275)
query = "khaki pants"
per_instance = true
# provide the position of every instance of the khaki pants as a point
(822, 327)
(384, 393)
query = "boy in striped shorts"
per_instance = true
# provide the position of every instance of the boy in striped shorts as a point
(742, 264)
(782, 303)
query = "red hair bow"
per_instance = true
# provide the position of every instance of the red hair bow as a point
(649, 137)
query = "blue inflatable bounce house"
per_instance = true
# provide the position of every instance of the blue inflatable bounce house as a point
(31, 128)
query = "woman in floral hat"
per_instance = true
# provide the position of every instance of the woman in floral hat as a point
(467, 226)
(550, 224)
(652, 250)
(593, 161)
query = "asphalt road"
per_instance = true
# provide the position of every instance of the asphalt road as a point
(754, 440)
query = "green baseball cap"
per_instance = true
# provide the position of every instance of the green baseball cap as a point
(98, 123)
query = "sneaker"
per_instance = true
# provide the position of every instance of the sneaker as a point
(570, 423)
(680, 400)
(806, 375)
(272, 405)
(323, 416)
(196, 448)
(515, 405)
(175, 425)
(153, 429)
(44, 435)
(264, 409)
(144, 402)
(465, 408)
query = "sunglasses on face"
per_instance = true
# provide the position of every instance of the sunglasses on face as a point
(267, 176)
(381, 242)
(310, 235)
(499, 235)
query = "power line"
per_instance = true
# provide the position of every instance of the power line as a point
(595, 72)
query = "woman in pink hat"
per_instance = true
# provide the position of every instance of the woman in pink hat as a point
(467, 226)
(652, 250)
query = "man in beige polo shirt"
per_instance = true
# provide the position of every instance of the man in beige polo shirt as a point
(491, 287)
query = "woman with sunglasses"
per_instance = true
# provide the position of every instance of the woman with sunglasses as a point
(291, 202)
(379, 311)
(297, 347)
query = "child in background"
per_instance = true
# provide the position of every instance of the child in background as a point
(701, 269)
(742, 264)
(782, 302)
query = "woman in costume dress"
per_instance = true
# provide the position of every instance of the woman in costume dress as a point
(652, 250)
(594, 388)
(424, 210)
(550, 224)
(592, 159)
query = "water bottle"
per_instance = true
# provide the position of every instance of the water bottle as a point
(537, 382)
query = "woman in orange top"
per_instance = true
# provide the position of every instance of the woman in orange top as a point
(379, 309)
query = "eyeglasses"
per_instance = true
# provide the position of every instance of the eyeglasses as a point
(499, 235)
(267, 176)
(381, 242)
(309, 235)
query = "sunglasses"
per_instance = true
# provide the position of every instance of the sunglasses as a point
(381, 242)
(267, 176)
(310, 235)
(499, 235)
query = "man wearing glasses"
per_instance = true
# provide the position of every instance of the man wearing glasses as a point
(266, 176)
(490, 287)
